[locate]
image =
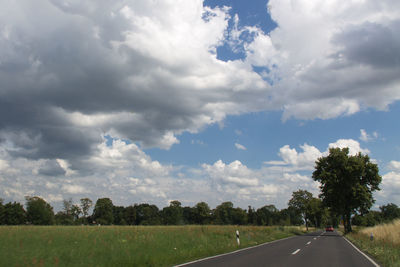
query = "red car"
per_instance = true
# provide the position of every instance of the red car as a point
(329, 229)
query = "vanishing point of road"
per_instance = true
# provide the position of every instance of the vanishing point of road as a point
(314, 249)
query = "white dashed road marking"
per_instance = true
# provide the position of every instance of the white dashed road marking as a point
(295, 252)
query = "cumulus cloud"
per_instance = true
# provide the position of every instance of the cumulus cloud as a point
(390, 188)
(353, 145)
(333, 57)
(144, 71)
(293, 161)
(149, 71)
(233, 173)
(74, 189)
(235, 181)
(140, 71)
(51, 168)
(394, 165)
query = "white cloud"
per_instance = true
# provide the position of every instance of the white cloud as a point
(147, 71)
(353, 145)
(293, 161)
(390, 188)
(394, 165)
(240, 147)
(233, 173)
(73, 189)
(364, 136)
(330, 59)
(150, 71)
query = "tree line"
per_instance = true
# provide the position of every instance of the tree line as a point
(302, 208)
(347, 183)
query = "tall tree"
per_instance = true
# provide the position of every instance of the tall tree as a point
(267, 215)
(202, 213)
(119, 215)
(300, 201)
(14, 214)
(189, 215)
(251, 216)
(347, 183)
(38, 211)
(130, 215)
(223, 213)
(103, 211)
(173, 215)
(86, 204)
(147, 214)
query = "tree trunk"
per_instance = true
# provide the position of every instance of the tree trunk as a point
(305, 218)
(347, 222)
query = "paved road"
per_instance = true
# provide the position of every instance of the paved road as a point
(314, 249)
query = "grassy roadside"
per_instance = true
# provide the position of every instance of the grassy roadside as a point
(385, 246)
(126, 245)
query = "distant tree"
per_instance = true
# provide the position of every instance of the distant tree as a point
(173, 215)
(86, 204)
(67, 205)
(39, 212)
(223, 213)
(130, 215)
(347, 183)
(371, 218)
(268, 215)
(75, 212)
(69, 215)
(239, 216)
(390, 212)
(251, 216)
(318, 214)
(1, 211)
(296, 218)
(202, 213)
(62, 218)
(103, 211)
(300, 202)
(119, 215)
(189, 215)
(14, 214)
(148, 215)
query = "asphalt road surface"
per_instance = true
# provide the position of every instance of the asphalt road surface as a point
(313, 249)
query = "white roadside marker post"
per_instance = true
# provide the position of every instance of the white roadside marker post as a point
(237, 237)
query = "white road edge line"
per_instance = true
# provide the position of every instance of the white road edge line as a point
(233, 252)
(365, 255)
(295, 252)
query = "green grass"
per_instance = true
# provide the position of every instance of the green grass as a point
(125, 245)
(384, 248)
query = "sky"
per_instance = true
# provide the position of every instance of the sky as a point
(152, 101)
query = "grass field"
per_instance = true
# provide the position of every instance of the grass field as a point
(125, 245)
(385, 246)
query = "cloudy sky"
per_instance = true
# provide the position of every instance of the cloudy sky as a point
(214, 100)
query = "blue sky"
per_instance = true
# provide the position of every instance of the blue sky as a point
(153, 101)
(264, 133)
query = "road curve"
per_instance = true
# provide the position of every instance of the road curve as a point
(313, 249)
